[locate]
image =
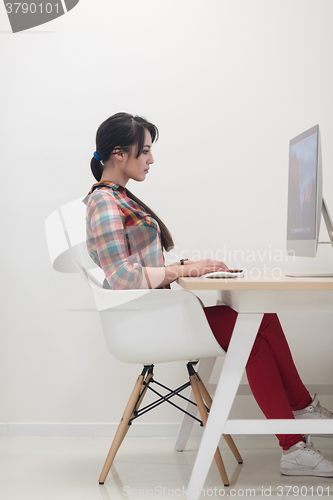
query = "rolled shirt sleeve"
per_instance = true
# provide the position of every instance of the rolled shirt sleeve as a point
(109, 244)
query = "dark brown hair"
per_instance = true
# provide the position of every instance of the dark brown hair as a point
(124, 131)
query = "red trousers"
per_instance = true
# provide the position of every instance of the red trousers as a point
(271, 372)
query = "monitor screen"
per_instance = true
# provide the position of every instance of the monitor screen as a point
(304, 192)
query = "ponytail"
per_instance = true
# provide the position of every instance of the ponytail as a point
(96, 168)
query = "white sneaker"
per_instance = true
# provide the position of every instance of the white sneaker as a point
(314, 410)
(303, 459)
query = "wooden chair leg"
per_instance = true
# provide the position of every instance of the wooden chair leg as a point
(134, 402)
(194, 380)
(205, 369)
(208, 400)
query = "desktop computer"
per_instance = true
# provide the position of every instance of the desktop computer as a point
(305, 199)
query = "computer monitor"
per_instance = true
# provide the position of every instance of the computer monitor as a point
(305, 200)
(304, 193)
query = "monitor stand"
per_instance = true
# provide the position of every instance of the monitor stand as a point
(329, 227)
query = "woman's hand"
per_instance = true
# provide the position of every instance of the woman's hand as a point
(195, 268)
(192, 269)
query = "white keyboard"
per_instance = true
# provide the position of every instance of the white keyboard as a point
(225, 274)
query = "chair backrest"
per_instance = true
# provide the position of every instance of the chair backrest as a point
(140, 326)
(66, 237)
(66, 240)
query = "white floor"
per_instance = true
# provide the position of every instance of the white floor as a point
(68, 469)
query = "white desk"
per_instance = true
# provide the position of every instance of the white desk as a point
(251, 298)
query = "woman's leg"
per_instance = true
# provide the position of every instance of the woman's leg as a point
(268, 389)
(271, 330)
(271, 372)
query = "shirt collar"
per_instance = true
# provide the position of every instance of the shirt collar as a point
(109, 184)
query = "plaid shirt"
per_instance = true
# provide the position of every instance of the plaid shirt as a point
(121, 237)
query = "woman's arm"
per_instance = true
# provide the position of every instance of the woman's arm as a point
(107, 244)
(191, 268)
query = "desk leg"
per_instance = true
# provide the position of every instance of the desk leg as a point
(244, 334)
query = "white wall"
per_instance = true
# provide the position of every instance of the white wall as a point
(228, 83)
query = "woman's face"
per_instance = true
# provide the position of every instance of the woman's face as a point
(137, 168)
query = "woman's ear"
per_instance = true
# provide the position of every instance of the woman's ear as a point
(118, 152)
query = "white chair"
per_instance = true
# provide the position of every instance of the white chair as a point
(140, 326)
(66, 240)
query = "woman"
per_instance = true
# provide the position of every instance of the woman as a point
(126, 239)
